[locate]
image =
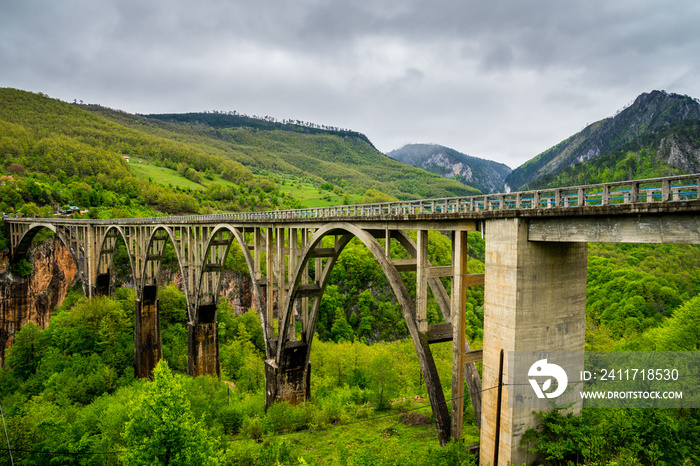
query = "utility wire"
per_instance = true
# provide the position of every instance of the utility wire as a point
(327, 427)
(2, 414)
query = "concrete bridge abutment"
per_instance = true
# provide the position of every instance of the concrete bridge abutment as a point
(534, 300)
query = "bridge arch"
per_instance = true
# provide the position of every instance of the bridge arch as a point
(148, 258)
(105, 257)
(347, 231)
(22, 248)
(217, 248)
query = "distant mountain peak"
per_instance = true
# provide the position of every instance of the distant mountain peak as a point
(486, 175)
(649, 114)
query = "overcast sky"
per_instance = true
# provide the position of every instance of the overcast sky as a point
(496, 79)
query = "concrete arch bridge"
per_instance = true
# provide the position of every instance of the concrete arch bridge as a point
(535, 278)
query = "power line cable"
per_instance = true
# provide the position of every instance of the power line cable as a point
(2, 414)
(327, 427)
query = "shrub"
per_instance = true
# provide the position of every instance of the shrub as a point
(23, 268)
(231, 418)
(252, 428)
(283, 417)
(454, 453)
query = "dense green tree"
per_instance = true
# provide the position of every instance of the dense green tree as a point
(681, 332)
(162, 430)
(341, 330)
(26, 352)
(384, 381)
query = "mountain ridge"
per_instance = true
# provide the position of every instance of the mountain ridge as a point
(343, 158)
(650, 114)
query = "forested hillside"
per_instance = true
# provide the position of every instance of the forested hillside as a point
(672, 150)
(342, 158)
(55, 154)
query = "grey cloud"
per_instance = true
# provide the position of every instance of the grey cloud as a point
(506, 78)
(499, 58)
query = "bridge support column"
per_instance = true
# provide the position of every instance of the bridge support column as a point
(147, 348)
(534, 300)
(289, 382)
(203, 343)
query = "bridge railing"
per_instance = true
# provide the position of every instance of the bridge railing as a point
(676, 188)
(668, 189)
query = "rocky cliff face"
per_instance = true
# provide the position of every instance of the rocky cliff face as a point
(235, 288)
(238, 291)
(680, 152)
(34, 298)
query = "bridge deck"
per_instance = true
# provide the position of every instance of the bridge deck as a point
(676, 194)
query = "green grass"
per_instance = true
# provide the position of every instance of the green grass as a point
(366, 440)
(167, 177)
(381, 438)
(311, 196)
(305, 191)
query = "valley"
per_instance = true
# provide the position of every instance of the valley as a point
(74, 365)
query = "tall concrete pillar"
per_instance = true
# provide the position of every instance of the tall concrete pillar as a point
(147, 344)
(203, 343)
(534, 300)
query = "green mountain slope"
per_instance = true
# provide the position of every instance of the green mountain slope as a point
(673, 150)
(54, 153)
(486, 175)
(651, 115)
(342, 158)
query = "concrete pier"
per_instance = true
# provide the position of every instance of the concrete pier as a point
(203, 344)
(292, 381)
(147, 348)
(534, 300)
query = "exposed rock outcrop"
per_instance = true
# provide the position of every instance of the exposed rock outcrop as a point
(238, 291)
(652, 114)
(680, 153)
(34, 298)
(235, 288)
(486, 175)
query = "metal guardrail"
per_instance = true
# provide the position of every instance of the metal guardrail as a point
(654, 190)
